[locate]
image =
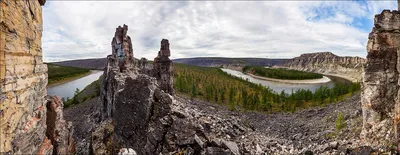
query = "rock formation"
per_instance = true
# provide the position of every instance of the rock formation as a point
(58, 131)
(328, 63)
(138, 112)
(137, 107)
(380, 96)
(144, 67)
(162, 68)
(26, 116)
(122, 49)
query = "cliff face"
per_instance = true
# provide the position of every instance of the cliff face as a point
(380, 96)
(328, 63)
(24, 110)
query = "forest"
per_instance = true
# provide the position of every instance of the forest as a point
(214, 85)
(280, 73)
(59, 73)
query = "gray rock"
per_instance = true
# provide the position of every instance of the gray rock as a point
(232, 146)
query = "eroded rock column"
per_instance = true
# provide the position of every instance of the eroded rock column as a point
(162, 68)
(380, 87)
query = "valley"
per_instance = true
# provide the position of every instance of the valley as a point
(313, 103)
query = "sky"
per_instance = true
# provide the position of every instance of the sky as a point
(261, 29)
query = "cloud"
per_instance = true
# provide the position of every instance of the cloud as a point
(273, 29)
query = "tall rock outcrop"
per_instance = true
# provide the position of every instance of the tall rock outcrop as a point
(24, 111)
(380, 96)
(136, 105)
(138, 112)
(162, 68)
(328, 63)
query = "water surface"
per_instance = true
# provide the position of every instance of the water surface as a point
(67, 90)
(287, 87)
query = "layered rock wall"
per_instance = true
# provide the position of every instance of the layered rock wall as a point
(381, 83)
(23, 77)
(328, 63)
(24, 111)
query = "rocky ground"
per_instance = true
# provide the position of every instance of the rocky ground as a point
(305, 131)
(81, 117)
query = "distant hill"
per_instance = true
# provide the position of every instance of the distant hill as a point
(328, 63)
(97, 63)
(218, 61)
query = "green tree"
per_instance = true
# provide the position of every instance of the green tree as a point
(193, 91)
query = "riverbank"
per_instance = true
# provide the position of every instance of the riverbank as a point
(324, 79)
(68, 79)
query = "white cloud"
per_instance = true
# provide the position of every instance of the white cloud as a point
(76, 30)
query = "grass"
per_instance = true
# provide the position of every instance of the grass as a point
(58, 74)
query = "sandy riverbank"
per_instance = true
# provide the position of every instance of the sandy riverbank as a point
(324, 79)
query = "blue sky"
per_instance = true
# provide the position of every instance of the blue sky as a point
(264, 29)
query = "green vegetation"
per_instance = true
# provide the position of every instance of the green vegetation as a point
(340, 122)
(89, 92)
(214, 85)
(286, 74)
(61, 73)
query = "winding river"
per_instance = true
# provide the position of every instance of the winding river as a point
(67, 90)
(287, 87)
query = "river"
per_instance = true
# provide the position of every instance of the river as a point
(287, 87)
(67, 90)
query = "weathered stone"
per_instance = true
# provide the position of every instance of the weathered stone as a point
(127, 151)
(162, 68)
(138, 108)
(217, 151)
(381, 82)
(42, 2)
(23, 77)
(102, 139)
(58, 130)
(46, 148)
(231, 146)
(144, 67)
(122, 48)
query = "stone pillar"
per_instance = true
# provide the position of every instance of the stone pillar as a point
(122, 49)
(380, 88)
(162, 68)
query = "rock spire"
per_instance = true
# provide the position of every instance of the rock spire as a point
(162, 68)
(122, 49)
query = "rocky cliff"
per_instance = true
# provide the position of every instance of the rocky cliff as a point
(328, 63)
(380, 96)
(30, 123)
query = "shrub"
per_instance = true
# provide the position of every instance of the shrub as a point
(340, 122)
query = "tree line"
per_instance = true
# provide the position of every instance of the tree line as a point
(214, 85)
(280, 73)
